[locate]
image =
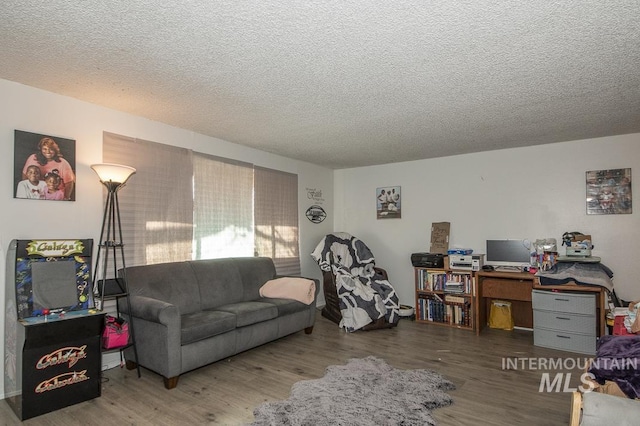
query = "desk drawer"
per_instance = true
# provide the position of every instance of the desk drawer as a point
(571, 323)
(506, 289)
(576, 303)
(580, 343)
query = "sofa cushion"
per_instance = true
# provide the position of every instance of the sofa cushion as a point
(286, 306)
(219, 281)
(248, 313)
(205, 324)
(255, 271)
(173, 283)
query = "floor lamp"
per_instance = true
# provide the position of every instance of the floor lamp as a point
(111, 249)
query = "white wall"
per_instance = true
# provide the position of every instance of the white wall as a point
(530, 193)
(34, 110)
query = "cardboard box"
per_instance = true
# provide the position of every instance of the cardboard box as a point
(578, 239)
(440, 237)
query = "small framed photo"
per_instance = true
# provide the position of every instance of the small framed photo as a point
(44, 167)
(609, 191)
(388, 202)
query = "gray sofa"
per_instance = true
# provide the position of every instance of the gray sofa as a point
(190, 314)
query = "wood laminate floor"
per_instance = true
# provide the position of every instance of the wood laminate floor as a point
(226, 392)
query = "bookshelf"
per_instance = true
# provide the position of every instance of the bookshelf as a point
(445, 297)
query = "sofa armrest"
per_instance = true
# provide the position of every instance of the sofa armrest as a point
(157, 335)
(155, 310)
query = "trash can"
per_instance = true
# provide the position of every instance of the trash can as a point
(500, 315)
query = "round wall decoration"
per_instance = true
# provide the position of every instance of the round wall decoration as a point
(316, 214)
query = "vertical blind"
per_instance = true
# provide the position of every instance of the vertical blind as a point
(182, 205)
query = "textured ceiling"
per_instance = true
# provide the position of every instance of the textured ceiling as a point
(342, 83)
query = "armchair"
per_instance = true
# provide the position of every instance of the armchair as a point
(346, 262)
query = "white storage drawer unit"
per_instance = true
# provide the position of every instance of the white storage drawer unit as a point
(565, 321)
(569, 302)
(573, 323)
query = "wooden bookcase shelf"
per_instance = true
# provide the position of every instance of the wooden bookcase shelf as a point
(445, 297)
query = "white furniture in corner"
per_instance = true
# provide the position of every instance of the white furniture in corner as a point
(565, 321)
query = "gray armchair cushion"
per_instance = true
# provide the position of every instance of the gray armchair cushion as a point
(602, 409)
(205, 324)
(248, 313)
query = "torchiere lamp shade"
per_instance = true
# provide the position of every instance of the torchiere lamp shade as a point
(115, 174)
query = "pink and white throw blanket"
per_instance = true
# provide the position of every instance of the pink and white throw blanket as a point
(300, 289)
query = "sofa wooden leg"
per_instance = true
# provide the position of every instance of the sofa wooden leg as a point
(171, 382)
(308, 330)
(130, 365)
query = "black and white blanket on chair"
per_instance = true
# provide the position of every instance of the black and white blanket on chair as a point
(364, 295)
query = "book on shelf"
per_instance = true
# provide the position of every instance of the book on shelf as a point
(445, 296)
(454, 287)
(454, 299)
(437, 281)
(465, 278)
(432, 309)
(430, 280)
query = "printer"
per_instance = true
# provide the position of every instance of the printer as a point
(427, 260)
(467, 262)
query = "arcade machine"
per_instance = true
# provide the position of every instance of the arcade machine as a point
(52, 331)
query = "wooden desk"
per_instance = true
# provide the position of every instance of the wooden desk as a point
(516, 288)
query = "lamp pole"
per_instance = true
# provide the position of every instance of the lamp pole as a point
(114, 178)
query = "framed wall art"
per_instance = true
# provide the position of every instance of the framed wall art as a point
(44, 167)
(388, 203)
(609, 191)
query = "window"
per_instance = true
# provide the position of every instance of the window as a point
(223, 208)
(182, 205)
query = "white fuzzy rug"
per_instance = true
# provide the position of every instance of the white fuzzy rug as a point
(363, 392)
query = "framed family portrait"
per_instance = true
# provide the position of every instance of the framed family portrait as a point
(388, 202)
(44, 167)
(609, 191)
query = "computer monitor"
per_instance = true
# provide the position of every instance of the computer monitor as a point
(508, 253)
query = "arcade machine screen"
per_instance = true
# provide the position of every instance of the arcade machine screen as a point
(52, 276)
